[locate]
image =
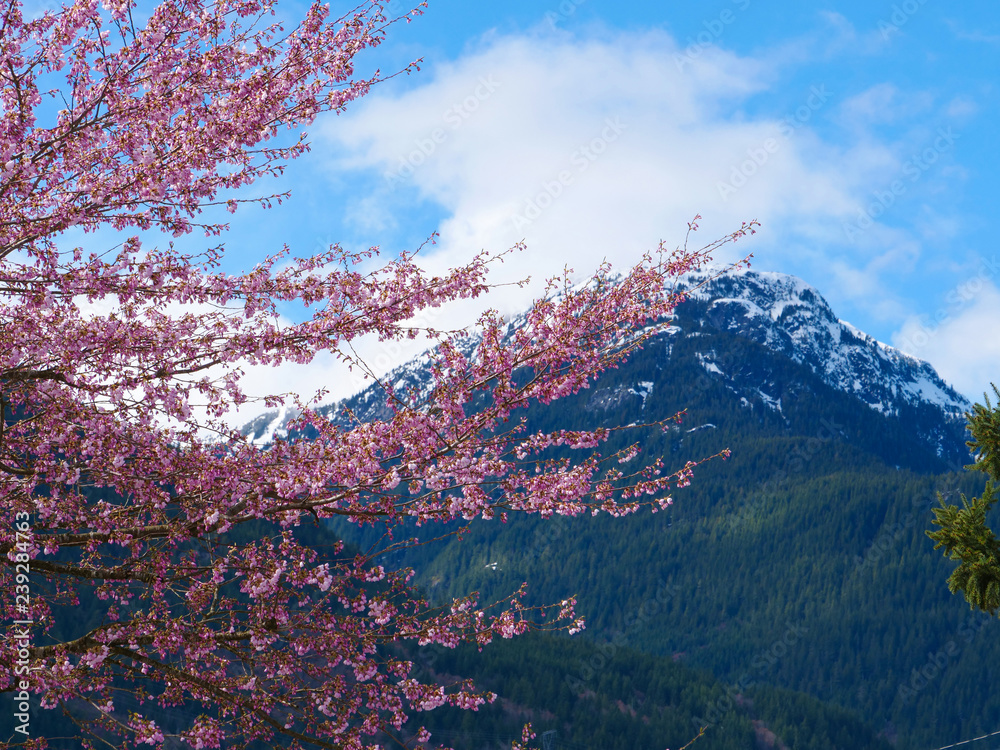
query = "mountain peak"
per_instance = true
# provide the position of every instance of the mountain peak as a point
(789, 316)
(786, 317)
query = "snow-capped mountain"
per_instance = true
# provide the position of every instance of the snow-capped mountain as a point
(790, 317)
(785, 316)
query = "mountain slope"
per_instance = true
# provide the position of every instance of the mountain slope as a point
(789, 320)
(789, 317)
(801, 563)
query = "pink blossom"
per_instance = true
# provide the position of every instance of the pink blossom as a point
(139, 503)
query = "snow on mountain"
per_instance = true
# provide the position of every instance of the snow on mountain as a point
(778, 311)
(788, 316)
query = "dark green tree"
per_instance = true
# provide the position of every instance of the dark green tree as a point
(964, 533)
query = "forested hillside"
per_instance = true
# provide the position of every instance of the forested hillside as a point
(799, 564)
(627, 700)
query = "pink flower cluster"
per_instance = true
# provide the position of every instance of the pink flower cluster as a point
(178, 528)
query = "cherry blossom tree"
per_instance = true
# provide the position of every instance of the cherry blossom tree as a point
(125, 490)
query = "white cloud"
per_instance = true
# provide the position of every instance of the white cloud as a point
(597, 148)
(958, 337)
(977, 35)
(962, 107)
(592, 149)
(884, 103)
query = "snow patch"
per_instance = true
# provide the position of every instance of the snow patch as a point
(275, 428)
(709, 364)
(642, 390)
(773, 403)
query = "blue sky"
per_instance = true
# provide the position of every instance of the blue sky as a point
(861, 135)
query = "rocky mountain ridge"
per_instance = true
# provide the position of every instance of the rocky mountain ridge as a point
(783, 314)
(790, 317)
